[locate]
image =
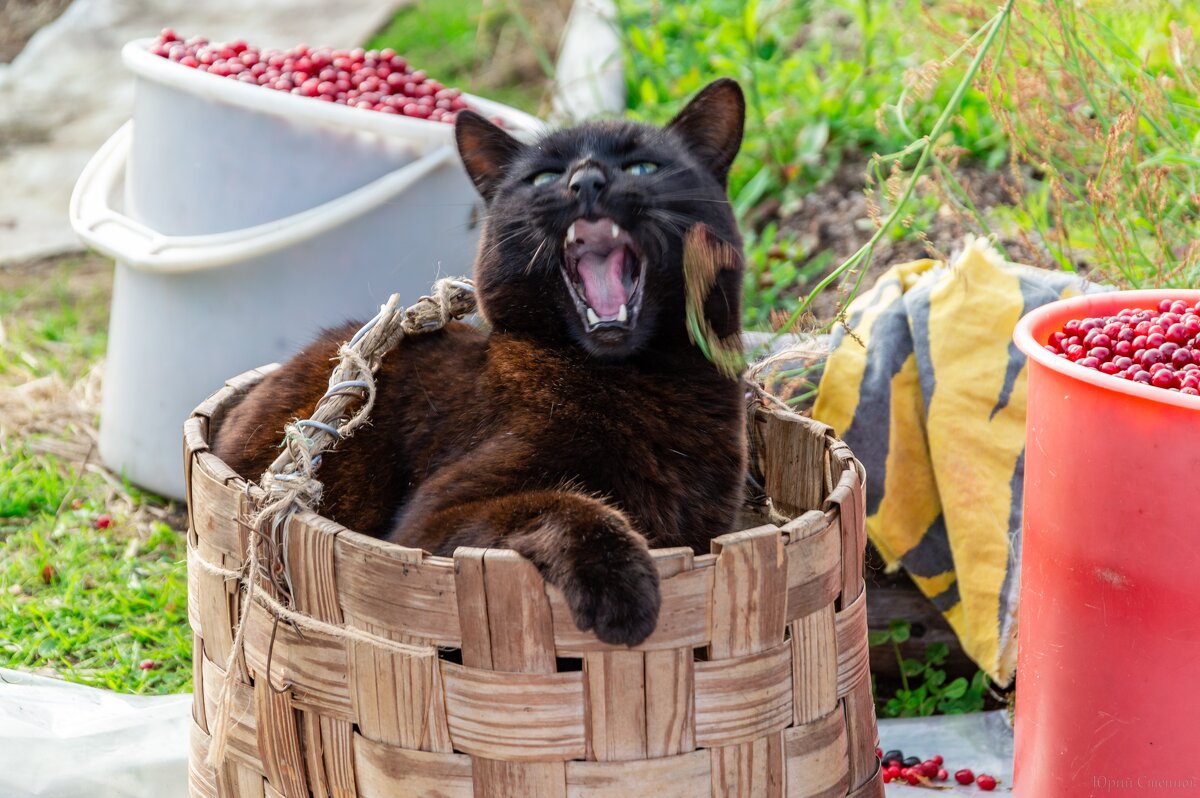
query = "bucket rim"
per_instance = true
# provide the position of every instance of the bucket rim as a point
(136, 245)
(1036, 323)
(138, 59)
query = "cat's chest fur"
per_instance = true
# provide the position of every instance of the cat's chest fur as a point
(661, 437)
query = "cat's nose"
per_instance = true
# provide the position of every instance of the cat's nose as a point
(587, 183)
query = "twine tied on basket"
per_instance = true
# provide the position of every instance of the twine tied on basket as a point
(290, 483)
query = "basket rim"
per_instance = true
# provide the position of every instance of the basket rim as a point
(243, 382)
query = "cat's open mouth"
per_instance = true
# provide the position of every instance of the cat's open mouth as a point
(603, 271)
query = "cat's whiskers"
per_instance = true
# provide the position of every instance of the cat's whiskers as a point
(536, 254)
(493, 248)
(682, 196)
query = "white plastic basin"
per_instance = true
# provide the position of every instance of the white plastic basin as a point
(211, 154)
(189, 311)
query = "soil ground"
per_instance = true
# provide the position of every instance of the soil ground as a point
(835, 218)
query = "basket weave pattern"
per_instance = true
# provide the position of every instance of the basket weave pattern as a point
(755, 682)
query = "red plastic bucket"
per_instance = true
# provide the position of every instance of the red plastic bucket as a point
(1109, 628)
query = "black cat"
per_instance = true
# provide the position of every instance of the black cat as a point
(586, 425)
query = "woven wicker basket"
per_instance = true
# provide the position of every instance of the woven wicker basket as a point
(466, 677)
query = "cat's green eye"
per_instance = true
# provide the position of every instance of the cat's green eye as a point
(641, 168)
(542, 178)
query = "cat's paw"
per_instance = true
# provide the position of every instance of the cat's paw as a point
(615, 593)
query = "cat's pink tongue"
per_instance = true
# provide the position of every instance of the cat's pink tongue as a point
(603, 287)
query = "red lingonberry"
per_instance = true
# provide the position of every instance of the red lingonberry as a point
(986, 783)
(964, 776)
(942, 775)
(1163, 379)
(1149, 357)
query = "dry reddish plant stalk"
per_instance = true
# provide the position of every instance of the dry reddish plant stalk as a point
(1113, 153)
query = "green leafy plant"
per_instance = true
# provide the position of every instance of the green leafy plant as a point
(924, 687)
(815, 75)
(778, 264)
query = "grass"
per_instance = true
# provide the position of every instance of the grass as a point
(90, 605)
(52, 324)
(474, 45)
(92, 577)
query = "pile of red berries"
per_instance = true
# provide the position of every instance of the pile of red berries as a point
(378, 80)
(897, 767)
(1154, 347)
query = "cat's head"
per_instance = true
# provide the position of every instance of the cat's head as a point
(583, 239)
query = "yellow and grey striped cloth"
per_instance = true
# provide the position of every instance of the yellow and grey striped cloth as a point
(929, 392)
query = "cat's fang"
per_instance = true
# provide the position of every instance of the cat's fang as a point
(616, 230)
(593, 318)
(623, 314)
(571, 233)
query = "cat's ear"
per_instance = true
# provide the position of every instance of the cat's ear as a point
(711, 125)
(486, 151)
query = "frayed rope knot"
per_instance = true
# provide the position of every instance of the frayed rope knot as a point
(290, 483)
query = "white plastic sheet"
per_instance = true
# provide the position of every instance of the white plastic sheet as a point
(62, 740)
(981, 741)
